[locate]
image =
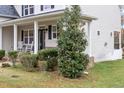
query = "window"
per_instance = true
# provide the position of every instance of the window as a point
(41, 7)
(116, 40)
(52, 6)
(28, 36)
(31, 8)
(27, 10)
(54, 32)
(98, 33)
(46, 7)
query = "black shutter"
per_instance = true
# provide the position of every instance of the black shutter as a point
(41, 7)
(22, 33)
(49, 32)
(22, 10)
(52, 6)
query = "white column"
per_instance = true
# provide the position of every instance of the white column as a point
(35, 37)
(0, 37)
(15, 37)
(89, 40)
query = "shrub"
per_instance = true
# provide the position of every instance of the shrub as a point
(13, 56)
(30, 62)
(2, 54)
(6, 65)
(50, 56)
(71, 44)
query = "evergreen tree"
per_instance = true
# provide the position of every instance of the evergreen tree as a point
(71, 43)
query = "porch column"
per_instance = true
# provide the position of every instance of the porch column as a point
(35, 37)
(15, 37)
(0, 37)
(89, 39)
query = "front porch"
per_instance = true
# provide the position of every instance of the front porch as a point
(36, 32)
(31, 36)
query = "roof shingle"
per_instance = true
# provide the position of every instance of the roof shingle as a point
(8, 11)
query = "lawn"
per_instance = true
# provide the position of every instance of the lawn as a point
(104, 74)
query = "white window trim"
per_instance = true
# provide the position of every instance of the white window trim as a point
(46, 9)
(54, 32)
(28, 36)
(28, 10)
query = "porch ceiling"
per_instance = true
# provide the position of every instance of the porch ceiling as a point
(41, 17)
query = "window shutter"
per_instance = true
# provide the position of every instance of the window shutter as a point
(22, 10)
(49, 32)
(41, 7)
(22, 35)
(52, 6)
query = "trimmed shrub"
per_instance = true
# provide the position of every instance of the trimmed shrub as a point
(72, 43)
(2, 54)
(50, 56)
(13, 56)
(30, 62)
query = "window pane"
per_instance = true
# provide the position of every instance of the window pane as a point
(116, 40)
(31, 10)
(41, 7)
(54, 35)
(30, 33)
(47, 7)
(25, 6)
(30, 40)
(25, 33)
(31, 5)
(54, 29)
(52, 6)
(26, 40)
(26, 11)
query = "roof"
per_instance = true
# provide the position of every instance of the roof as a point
(8, 11)
(42, 16)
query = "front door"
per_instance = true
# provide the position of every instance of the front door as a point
(41, 39)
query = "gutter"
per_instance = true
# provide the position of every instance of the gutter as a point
(8, 16)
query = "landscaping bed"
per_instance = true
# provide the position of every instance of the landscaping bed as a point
(104, 74)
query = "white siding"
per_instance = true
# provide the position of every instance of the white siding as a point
(7, 39)
(49, 43)
(37, 9)
(57, 7)
(18, 9)
(108, 21)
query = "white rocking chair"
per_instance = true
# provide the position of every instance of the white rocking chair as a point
(29, 47)
(20, 45)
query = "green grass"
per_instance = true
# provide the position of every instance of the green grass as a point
(104, 74)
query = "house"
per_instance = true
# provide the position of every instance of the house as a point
(37, 24)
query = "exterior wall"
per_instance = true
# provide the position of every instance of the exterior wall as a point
(18, 9)
(7, 38)
(37, 9)
(57, 7)
(108, 21)
(102, 46)
(52, 42)
(48, 43)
